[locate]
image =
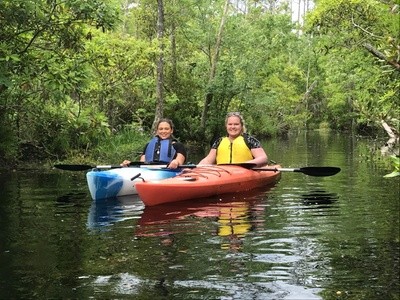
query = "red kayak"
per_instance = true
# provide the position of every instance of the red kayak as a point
(205, 181)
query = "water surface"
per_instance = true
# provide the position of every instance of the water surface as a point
(303, 238)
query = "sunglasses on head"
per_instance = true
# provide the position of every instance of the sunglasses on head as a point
(231, 114)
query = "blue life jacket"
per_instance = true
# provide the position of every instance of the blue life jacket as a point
(159, 150)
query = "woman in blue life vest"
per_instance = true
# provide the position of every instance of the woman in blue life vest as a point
(237, 146)
(163, 148)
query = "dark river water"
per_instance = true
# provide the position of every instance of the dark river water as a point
(303, 238)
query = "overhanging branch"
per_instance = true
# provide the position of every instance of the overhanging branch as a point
(380, 55)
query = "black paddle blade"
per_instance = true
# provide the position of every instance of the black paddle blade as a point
(319, 171)
(73, 167)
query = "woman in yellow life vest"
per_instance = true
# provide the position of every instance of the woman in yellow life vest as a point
(237, 146)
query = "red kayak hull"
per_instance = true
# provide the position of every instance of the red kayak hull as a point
(204, 182)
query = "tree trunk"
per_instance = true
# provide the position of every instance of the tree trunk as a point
(160, 65)
(214, 59)
(174, 72)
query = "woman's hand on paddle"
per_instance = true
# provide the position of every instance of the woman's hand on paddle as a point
(126, 163)
(174, 164)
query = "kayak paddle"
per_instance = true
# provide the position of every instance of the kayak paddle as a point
(311, 171)
(88, 167)
(132, 164)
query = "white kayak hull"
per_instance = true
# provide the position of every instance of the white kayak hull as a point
(117, 182)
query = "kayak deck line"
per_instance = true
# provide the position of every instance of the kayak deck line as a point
(201, 170)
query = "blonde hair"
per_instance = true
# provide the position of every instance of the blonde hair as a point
(239, 115)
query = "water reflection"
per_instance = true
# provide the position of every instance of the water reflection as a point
(70, 199)
(105, 213)
(229, 218)
(307, 243)
(319, 199)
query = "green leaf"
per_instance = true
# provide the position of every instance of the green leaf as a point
(393, 174)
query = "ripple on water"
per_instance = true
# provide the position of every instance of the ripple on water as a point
(209, 288)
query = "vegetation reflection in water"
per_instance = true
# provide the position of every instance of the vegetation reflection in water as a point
(224, 222)
(306, 237)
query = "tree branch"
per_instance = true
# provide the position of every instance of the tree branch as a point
(380, 55)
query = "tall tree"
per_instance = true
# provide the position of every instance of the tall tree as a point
(159, 111)
(213, 65)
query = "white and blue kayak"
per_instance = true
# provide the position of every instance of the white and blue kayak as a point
(118, 182)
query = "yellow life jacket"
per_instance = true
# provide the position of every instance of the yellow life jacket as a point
(235, 152)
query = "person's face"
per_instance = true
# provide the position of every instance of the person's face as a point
(233, 126)
(164, 130)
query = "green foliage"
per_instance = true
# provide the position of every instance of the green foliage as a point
(8, 144)
(67, 81)
(352, 86)
(125, 144)
(355, 40)
(254, 75)
(120, 84)
(63, 127)
(42, 68)
(396, 166)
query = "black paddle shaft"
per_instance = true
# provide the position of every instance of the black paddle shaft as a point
(311, 171)
(88, 167)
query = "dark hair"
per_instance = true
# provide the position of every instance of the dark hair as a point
(169, 121)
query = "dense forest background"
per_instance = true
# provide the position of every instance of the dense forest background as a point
(87, 79)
